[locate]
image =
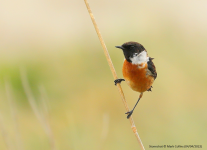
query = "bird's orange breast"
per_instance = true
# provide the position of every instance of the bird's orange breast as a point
(136, 77)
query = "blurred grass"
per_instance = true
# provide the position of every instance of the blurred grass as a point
(79, 85)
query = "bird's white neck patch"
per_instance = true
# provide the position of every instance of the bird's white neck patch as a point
(140, 58)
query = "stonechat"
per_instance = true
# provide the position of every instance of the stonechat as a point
(138, 70)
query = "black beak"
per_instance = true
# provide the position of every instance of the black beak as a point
(119, 47)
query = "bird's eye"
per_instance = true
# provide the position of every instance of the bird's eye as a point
(132, 47)
(135, 54)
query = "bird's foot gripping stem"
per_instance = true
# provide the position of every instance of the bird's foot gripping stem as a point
(118, 81)
(129, 113)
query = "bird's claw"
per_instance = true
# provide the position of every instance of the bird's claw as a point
(118, 81)
(129, 113)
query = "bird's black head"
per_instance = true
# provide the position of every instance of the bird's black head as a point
(130, 49)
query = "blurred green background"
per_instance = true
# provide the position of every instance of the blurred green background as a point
(55, 45)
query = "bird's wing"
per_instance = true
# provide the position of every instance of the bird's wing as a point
(151, 68)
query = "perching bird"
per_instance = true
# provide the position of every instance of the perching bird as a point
(138, 69)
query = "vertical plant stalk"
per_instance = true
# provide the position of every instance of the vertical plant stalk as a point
(42, 119)
(14, 115)
(5, 134)
(134, 129)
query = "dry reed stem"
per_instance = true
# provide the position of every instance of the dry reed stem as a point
(44, 100)
(114, 74)
(42, 119)
(18, 136)
(5, 134)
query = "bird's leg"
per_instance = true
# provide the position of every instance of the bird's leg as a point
(129, 113)
(118, 81)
